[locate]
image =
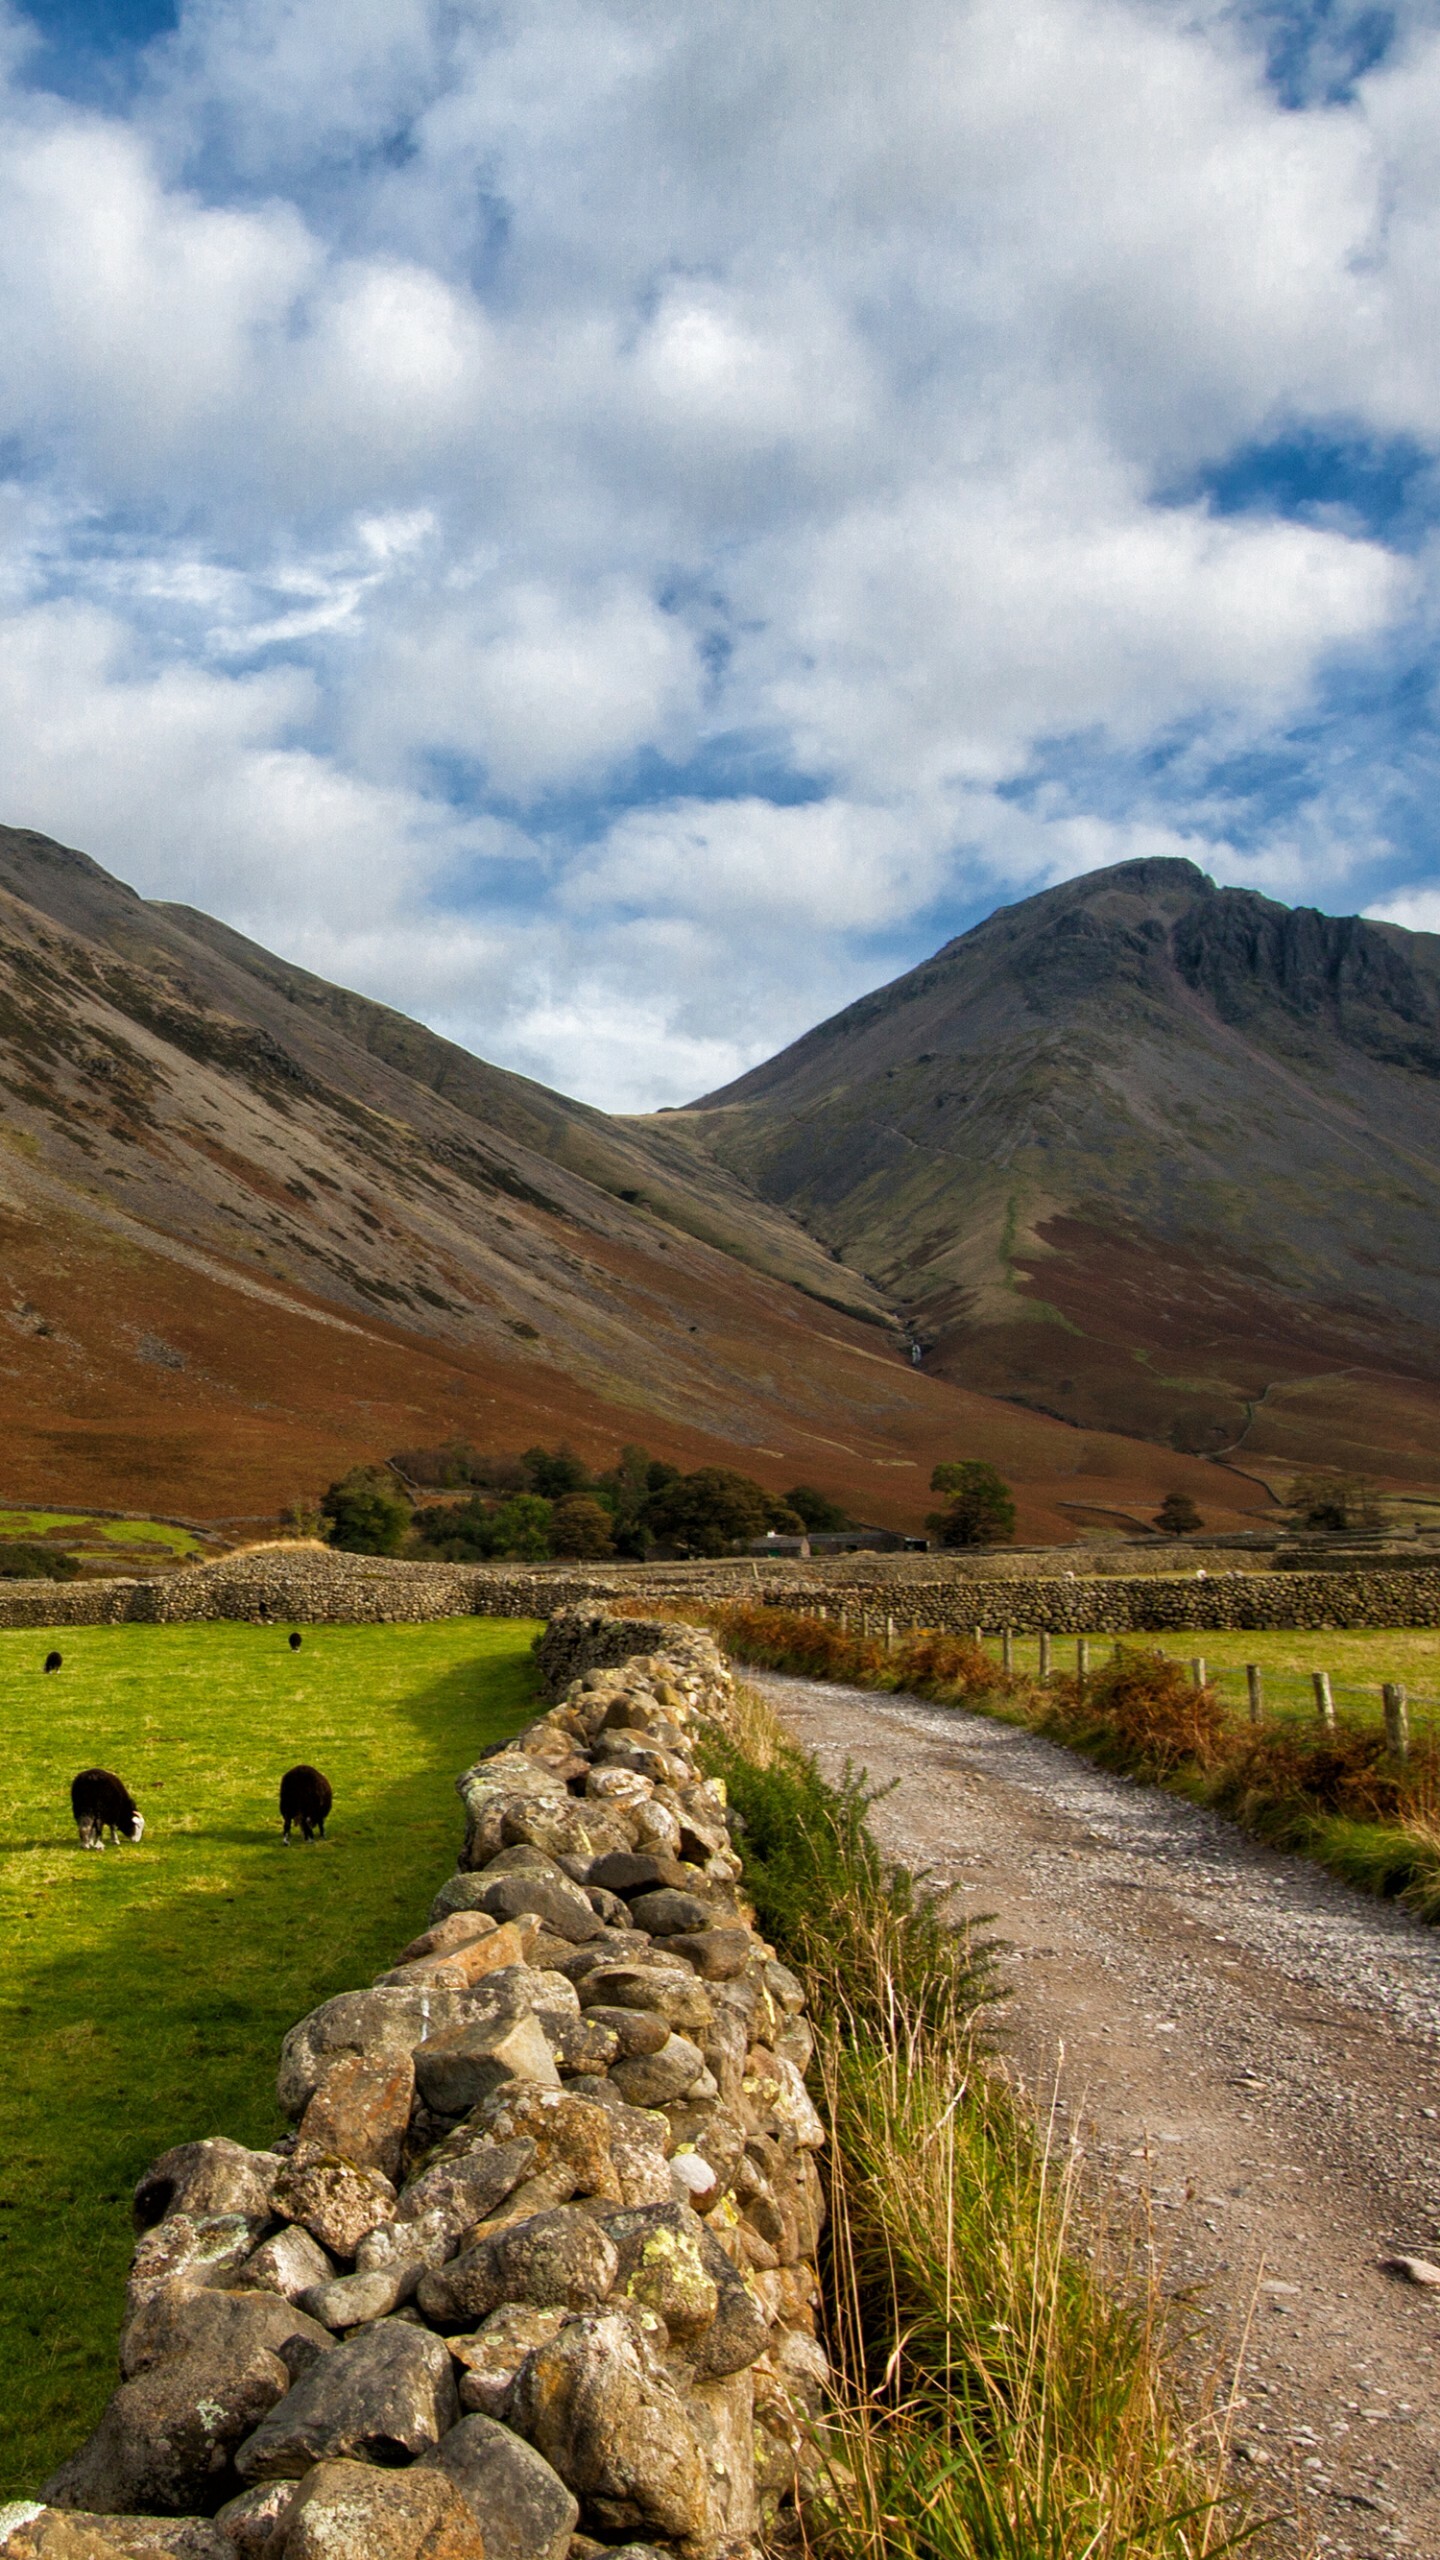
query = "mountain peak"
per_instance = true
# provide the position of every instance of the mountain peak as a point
(1144, 1151)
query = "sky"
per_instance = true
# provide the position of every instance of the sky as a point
(616, 526)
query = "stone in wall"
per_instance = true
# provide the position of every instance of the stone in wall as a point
(534, 2274)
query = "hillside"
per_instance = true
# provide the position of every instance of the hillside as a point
(255, 1228)
(1143, 1153)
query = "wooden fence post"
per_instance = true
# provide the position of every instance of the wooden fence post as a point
(977, 1635)
(1007, 1649)
(889, 1635)
(1082, 1659)
(1197, 1671)
(1255, 1684)
(1324, 1699)
(1044, 1653)
(1397, 1720)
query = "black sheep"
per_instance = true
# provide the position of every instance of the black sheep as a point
(100, 1802)
(306, 1798)
(53, 1661)
(295, 1642)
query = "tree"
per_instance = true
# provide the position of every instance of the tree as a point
(552, 1473)
(626, 1490)
(1176, 1514)
(581, 1526)
(366, 1513)
(521, 1527)
(816, 1510)
(710, 1511)
(457, 1532)
(981, 1511)
(1335, 1501)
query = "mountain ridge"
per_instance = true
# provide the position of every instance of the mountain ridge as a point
(1139, 1118)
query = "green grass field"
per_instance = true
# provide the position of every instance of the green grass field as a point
(1357, 1662)
(145, 1992)
(89, 1536)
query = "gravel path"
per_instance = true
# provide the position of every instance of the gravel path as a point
(1244, 2042)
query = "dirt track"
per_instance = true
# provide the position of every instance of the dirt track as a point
(1239, 2036)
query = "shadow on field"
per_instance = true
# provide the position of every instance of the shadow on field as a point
(195, 1951)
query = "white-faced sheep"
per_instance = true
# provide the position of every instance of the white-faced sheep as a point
(101, 1802)
(305, 1797)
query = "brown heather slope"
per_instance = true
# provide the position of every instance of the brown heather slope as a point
(1147, 1154)
(254, 1228)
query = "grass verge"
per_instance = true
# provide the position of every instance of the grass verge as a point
(1331, 1793)
(146, 1991)
(997, 2400)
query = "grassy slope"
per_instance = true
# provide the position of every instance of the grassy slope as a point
(145, 1992)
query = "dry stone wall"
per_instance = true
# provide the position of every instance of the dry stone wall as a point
(310, 1586)
(1396, 1596)
(533, 2276)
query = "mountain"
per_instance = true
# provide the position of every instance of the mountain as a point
(254, 1228)
(1145, 1154)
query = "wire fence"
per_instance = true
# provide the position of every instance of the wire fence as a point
(1252, 1691)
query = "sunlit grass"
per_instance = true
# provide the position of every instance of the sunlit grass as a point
(83, 1531)
(144, 1993)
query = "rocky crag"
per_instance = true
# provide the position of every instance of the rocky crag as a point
(533, 2277)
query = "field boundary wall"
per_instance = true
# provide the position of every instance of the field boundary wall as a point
(540, 2252)
(313, 1587)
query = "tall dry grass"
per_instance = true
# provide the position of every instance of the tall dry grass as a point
(997, 2398)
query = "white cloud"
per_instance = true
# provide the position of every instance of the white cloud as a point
(189, 783)
(520, 401)
(539, 688)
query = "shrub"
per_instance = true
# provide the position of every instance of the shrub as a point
(944, 1667)
(1153, 1716)
(1346, 1770)
(21, 1560)
(1176, 1514)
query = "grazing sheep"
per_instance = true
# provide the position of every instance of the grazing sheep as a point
(53, 1661)
(306, 1798)
(295, 1642)
(100, 1803)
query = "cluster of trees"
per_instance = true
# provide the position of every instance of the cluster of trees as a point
(548, 1502)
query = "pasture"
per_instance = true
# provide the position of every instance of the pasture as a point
(144, 1992)
(116, 1544)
